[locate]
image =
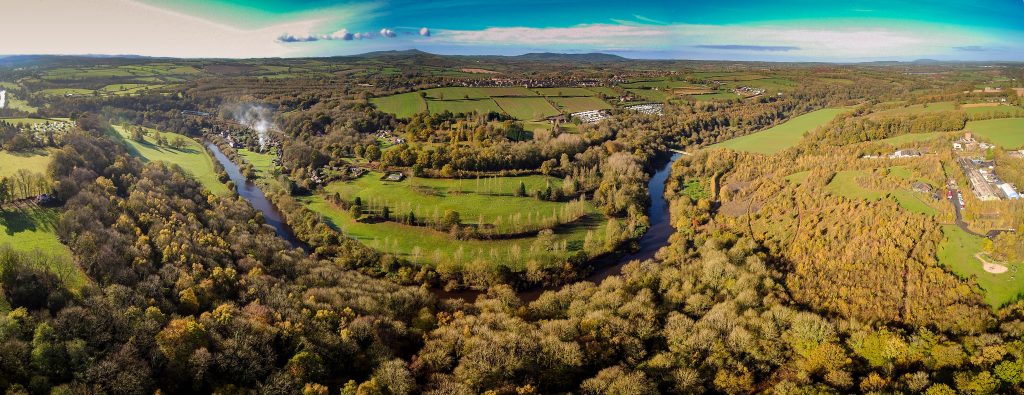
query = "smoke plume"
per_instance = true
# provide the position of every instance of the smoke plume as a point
(257, 117)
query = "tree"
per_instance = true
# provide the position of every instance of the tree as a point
(372, 153)
(450, 218)
(521, 191)
(138, 134)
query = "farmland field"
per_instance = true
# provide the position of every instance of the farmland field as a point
(577, 104)
(193, 157)
(993, 110)
(482, 106)
(916, 109)
(780, 137)
(651, 94)
(565, 92)
(715, 96)
(527, 108)
(403, 105)
(957, 251)
(1007, 132)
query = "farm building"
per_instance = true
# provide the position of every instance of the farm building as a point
(1008, 190)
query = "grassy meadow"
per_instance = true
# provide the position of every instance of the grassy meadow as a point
(193, 157)
(518, 102)
(956, 252)
(1007, 133)
(780, 137)
(845, 184)
(35, 161)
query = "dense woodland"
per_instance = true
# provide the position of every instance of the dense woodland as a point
(768, 285)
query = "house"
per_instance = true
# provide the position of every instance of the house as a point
(905, 153)
(919, 186)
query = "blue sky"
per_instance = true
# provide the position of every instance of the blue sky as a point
(782, 30)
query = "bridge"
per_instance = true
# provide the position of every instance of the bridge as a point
(680, 152)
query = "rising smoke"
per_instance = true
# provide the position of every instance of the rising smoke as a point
(3, 98)
(257, 117)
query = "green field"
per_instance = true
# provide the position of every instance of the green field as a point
(15, 103)
(489, 201)
(995, 110)
(491, 198)
(527, 108)
(577, 104)
(845, 184)
(193, 157)
(519, 102)
(715, 96)
(1007, 132)
(916, 109)
(957, 251)
(608, 92)
(403, 105)
(36, 162)
(780, 137)
(481, 106)
(651, 94)
(65, 91)
(564, 92)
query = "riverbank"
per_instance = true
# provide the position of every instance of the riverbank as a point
(597, 267)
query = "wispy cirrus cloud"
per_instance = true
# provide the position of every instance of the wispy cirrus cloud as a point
(971, 48)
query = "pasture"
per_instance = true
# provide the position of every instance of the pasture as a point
(578, 104)
(956, 252)
(403, 105)
(526, 108)
(262, 163)
(481, 106)
(782, 136)
(429, 247)
(192, 158)
(902, 139)
(650, 95)
(916, 109)
(1007, 133)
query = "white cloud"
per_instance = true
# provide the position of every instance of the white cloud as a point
(424, 32)
(835, 42)
(385, 32)
(342, 34)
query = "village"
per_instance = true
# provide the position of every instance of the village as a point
(981, 172)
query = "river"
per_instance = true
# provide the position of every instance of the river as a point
(656, 237)
(255, 196)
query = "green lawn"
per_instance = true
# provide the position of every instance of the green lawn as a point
(957, 251)
(403, 105)
(35, 161)
(526, 108)
(1004, 110)
(845, 184)
(782, 136)
(193, 157)
(1007, 132)
(577, 104)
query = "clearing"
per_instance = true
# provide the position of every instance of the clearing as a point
(845, 183)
